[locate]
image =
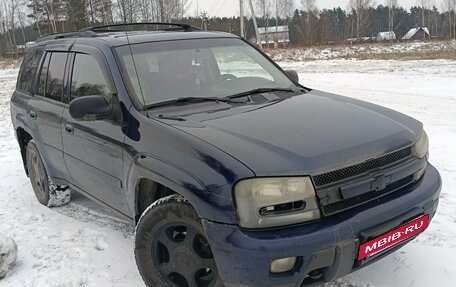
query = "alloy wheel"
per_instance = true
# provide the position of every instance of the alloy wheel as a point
(183, 257)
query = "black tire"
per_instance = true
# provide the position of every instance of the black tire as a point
(46, 192)
(37, 174)
(171, 247)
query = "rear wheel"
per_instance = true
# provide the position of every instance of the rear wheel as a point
(172, 248)
(46, 192)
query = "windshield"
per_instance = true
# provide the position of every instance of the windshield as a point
(221, 67)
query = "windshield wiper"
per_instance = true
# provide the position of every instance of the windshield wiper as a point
(188, 100)
(264, 90)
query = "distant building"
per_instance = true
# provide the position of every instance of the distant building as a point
(279, 34)
(22, 49)
(360, 40)
(417, 33)
(386, 36)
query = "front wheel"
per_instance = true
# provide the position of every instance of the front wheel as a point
(171, 247)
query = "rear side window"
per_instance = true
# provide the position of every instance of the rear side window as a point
(28, 69)
(41, 87)
(89, 79)
(54, 85)
(50, 82)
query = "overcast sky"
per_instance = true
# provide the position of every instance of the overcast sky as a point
(231, 7)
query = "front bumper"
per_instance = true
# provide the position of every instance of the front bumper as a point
(327, 249)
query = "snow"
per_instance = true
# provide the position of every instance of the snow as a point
(272, 29)
(413, 31)
(58, 195)
(386, 36)
(423, 90)
(81, 244)
(8, 254)
(76, 245)
(361, 51)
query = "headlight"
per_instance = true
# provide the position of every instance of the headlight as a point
(269, 202)
(421, 148)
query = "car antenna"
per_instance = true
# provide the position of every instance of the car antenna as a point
(134, 65)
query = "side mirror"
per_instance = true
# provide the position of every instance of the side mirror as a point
(293, 75)
(90, 108)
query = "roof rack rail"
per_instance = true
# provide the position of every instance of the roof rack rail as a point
(123, 27)
(92, 31)
(66, 35)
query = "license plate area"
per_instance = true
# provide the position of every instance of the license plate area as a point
(393, 237)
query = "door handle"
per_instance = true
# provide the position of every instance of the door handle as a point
(69, 129)
(32, 114)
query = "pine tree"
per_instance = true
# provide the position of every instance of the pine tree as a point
(76, 12)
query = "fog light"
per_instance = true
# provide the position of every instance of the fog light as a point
(419, 174)
(283, 265)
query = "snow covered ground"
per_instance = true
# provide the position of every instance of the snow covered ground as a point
(424, 90)
(81, 244)
(368, 51)
(77, 245)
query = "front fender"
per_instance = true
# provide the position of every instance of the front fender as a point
(215, 205)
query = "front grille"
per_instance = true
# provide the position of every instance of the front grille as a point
(354, 170)
(365, 197)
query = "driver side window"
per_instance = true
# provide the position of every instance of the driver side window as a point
(88, 78)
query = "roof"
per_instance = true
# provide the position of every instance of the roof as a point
(362, 39)
(273, 29)
(389, 35)
(413, 31)
(120, 36)
(116, 39)
(279, 41)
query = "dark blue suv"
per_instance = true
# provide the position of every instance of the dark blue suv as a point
(234, 173)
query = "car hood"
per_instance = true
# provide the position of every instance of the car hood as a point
(303, 135)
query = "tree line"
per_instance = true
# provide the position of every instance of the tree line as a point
(363, 19)
(22, 21)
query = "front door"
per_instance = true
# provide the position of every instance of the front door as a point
(93, 149)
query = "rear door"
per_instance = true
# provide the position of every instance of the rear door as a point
(20, 109)
(93, 149)
(46, 109)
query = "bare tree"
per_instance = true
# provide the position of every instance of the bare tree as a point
(146, 10)
(288, 8)
(283, 9)
(169, 10)
(99, 11)
(4, 12)
(52, 9)
(49, 12)
(424, 5)
(310, 12)
(451, 6)
(21, 18)
(277, 11)
(128, 10)
(360, 7)
(12, 18)
(36, 14)
(392, 6)
(263, 9)
(10, 10)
